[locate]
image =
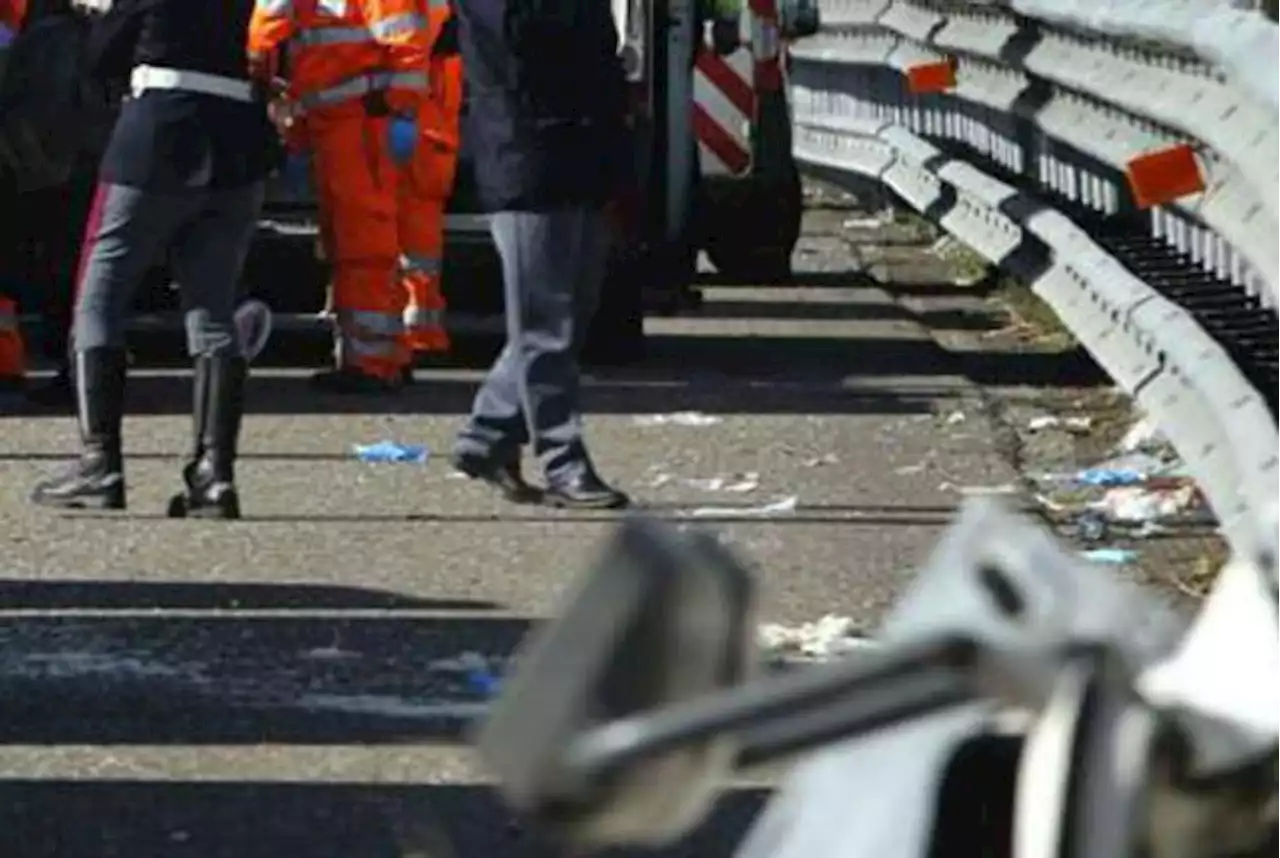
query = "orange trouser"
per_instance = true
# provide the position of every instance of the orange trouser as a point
(424, 192)
(356, 188)
(13, 358)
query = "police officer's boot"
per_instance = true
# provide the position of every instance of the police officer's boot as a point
(216, 411)
(96, 481)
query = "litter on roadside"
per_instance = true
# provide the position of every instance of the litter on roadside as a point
(737, 484)
(677, 418)
(975, 491)
(391, 451)
(955, 417)
(819, 461)
(1079, 424)
(1142, 435)
(826, 638)
(782, 506)
(1112, 556)
(1138, 504)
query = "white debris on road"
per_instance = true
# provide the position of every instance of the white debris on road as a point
(677, 418)
(1143, 435)
(782, 506)
(821, 640)
(1077, 424)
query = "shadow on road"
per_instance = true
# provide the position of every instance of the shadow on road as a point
(185, 595)
(845, 515)
(711, 374)
(130, 677)
(62, 819)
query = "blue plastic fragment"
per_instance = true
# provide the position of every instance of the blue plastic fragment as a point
(1110, 477)
(1115, 556)
(391, 451)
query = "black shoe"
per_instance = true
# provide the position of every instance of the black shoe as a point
(58, 391)
(406, 376)
(217, 409)
(585, 490)
(352, 382)
(96, 481)
(503, 476)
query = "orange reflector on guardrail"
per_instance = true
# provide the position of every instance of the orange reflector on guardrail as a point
(1165, 175)
(938, 76)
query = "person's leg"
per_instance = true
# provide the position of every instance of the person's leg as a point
(128, 232)
(208, 260)
(488, 446)
(537, 375)
(354, 165)
(420, 216)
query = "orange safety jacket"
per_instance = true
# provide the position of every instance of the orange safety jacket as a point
(439, 113)
(342, 50)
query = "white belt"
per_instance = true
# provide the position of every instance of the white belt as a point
(155, 77)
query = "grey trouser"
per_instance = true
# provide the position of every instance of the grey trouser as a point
(552, 267)
(207, 234)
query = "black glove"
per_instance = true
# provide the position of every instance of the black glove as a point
(375, 104)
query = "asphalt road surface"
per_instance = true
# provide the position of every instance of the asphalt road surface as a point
(290, 683)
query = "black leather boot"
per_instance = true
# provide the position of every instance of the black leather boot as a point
(96, 481)
(217, 409)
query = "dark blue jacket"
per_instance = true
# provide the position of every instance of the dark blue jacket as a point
(546, 102)
(168, 140)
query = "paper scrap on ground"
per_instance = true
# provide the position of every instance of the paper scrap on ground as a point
(1142, 435)
(391, 451)
(677, 418)
(735, 484)
(972, 491)
(954, 418)
(1052, 421)
(826, 638)
(819, 461)
(1137, 504)
(782, 506)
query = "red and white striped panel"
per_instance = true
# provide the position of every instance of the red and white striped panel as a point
(724, 107)
(725, 91)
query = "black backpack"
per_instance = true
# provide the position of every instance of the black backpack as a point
(51, 113)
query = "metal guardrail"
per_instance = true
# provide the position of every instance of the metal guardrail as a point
(1022, 154)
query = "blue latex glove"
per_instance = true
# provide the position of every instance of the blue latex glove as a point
(296, 174)
(402, 138)
(390, 451)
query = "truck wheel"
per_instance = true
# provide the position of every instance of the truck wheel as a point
(755, 234)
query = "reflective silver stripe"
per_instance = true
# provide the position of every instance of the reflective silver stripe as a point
(370, 348)
(416, 317)
(275, 8)
(394, 26)
(332, 36)
(438, 4)
(366, 324)
(8, 322)
(397, 25)
(145, 77)
(363, 85)
(401, 80)
(418, 263)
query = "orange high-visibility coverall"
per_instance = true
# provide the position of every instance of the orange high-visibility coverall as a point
(425, 191)
(339, 53)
